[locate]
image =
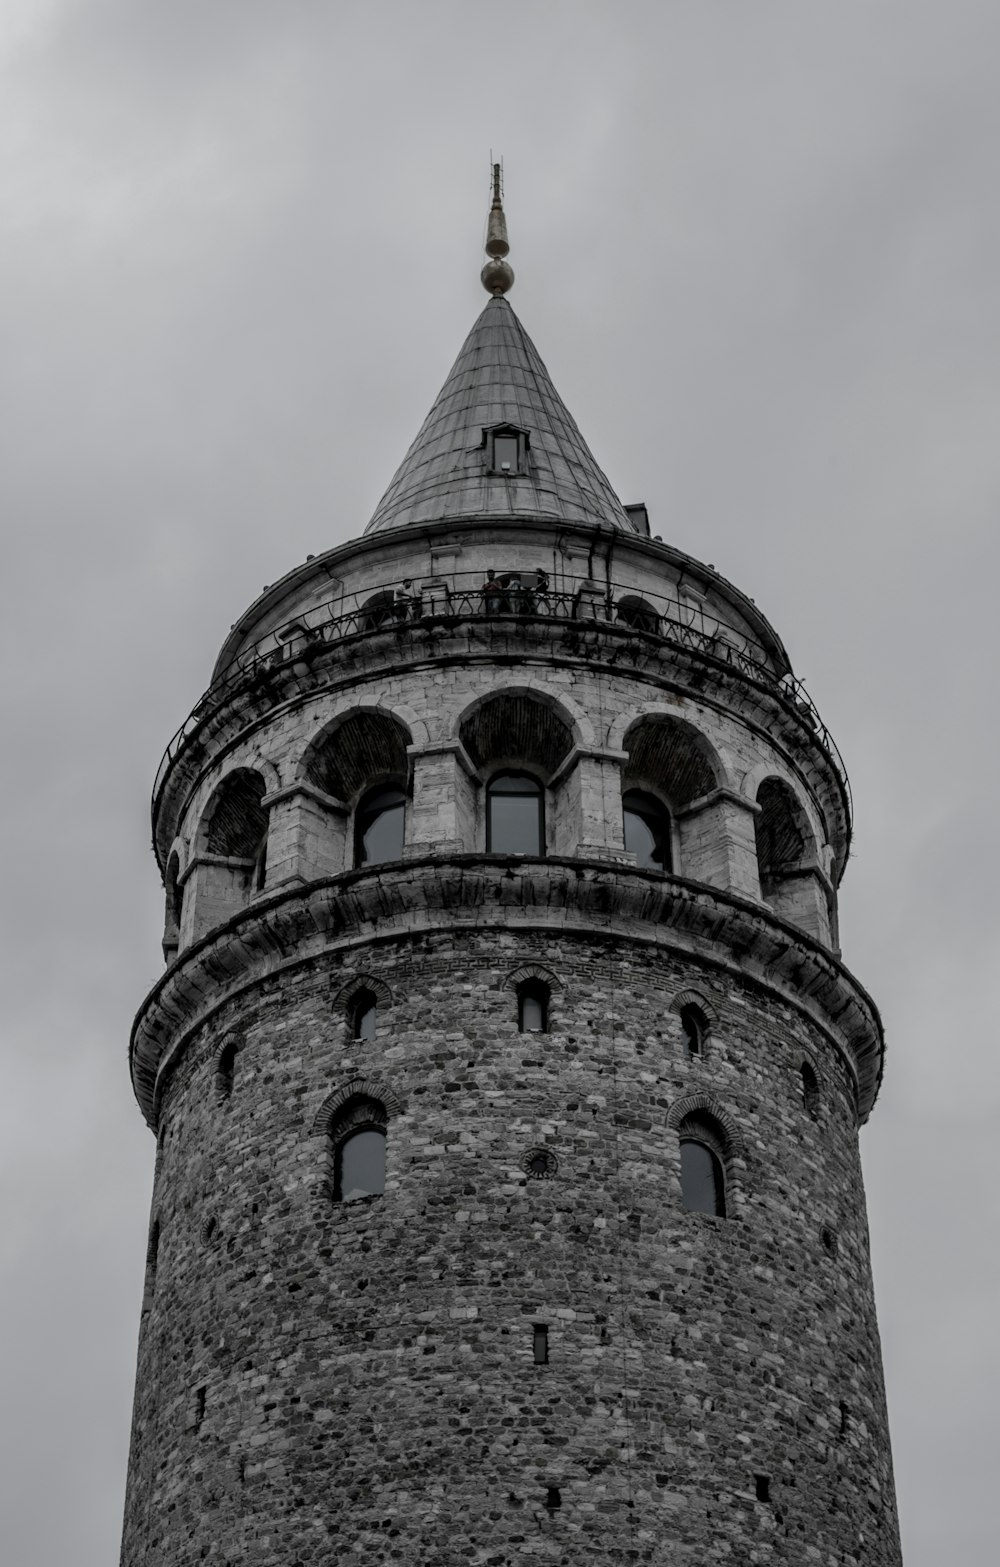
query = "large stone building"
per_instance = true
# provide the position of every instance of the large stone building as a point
(505, 1076)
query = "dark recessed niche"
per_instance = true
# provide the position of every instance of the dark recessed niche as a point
(831, 1243)
(540, 1343)
(553, 1499)
(762, 1487)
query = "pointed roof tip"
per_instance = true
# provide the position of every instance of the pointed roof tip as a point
(452, 472)
(497, 276)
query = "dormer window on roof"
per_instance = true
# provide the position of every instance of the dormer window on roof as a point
(506, 449)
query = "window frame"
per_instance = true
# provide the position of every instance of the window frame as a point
(701, 1130)
(535, 990)
(537, 791)
(506, 432)
(387, 786)
(362, 1114)
(658, 812)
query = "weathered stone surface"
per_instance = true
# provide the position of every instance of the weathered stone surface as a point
(356, 1382)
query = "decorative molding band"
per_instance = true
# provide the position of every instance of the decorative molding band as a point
(294, 926)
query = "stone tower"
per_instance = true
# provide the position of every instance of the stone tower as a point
(505, 1076)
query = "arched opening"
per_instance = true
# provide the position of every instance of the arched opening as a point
(364, 1014)
(790, 877)
(703, 1165)
(810, 1091)
(230, 862)
(781, 834)
(670, 767)
(358, 1138)
(379, 825)
(647, 828)
(225, 1072)
(694, 1031)
(236, 821)
(519, 742)
(515, 815)
(638, 613)
(514, 728)
(356, 752)
(533, 1006)
(378, 610)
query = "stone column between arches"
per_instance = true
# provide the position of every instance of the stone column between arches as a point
(306, 834)
(716, 842)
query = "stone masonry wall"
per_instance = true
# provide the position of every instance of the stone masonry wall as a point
(355, 1383)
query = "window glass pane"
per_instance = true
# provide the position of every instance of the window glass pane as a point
(514, 815)
(505, 451)
(691, 1031)
(532, 1014)
(364, 1020)
(701, 1179)
(647, 831)
(380, 822)
(362, 1165)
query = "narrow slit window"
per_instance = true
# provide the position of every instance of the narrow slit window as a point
(810, 1091)
(533, 1007)
(364, 1014)
(693, 1031)
(540, 1343)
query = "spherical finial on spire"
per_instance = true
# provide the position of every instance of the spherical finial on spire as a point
(497, 275)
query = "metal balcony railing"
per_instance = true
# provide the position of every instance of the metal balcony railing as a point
(512, 597)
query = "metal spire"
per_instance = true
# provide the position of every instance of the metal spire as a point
(497, 275)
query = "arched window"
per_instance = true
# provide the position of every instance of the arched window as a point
(225, 1072)
(810, 1091)
(364, 1009)
(638, 614)
(378, 825)
(647, 830)
(533, 1007)
(515, 815)
(359, 1150)
(694, 1031)
(377, 610)
(703, 1180)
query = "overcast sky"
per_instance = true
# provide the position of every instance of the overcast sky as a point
(757, 246)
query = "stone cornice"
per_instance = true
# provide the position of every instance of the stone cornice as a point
(294, 926)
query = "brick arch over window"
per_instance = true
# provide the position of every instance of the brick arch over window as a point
(358, 1088)
(517, 727)
(234, 822)
(527, 971)
(360, 748)
(694, 998)
(673, 758)
(359, 982)
(702, 1104)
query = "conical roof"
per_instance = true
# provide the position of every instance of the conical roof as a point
(498, 379)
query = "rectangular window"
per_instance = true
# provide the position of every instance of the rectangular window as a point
(505, 453)
(541, 1344)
